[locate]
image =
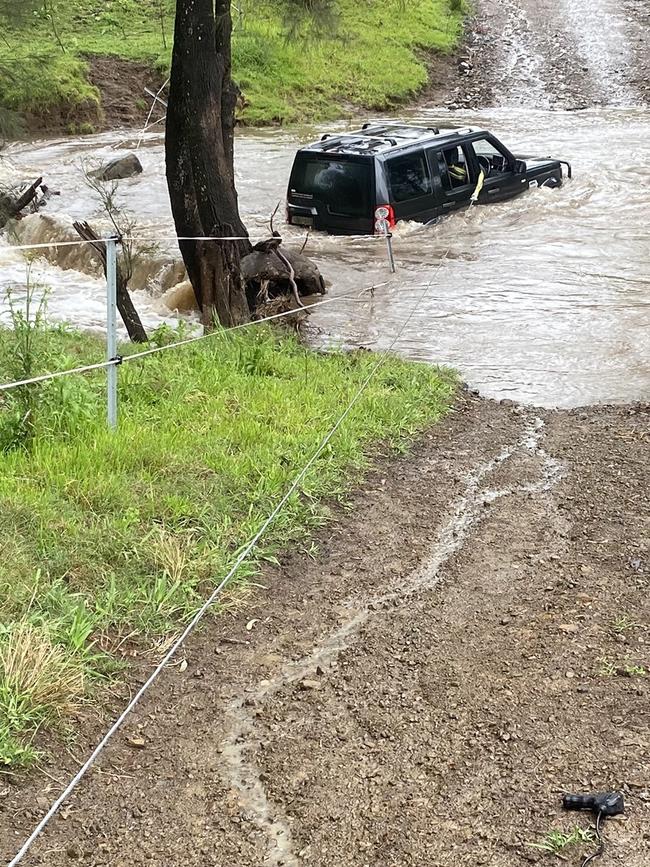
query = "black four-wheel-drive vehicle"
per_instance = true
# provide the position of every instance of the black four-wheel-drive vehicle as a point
(357, 182)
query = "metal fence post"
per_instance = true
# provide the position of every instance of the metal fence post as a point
(111, 329)
(389, 245)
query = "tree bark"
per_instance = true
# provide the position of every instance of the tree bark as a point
(125, 305)
(230, 92)
(199, 157)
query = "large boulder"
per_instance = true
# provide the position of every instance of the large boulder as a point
(118, 169)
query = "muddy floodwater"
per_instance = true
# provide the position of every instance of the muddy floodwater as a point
(545, 299)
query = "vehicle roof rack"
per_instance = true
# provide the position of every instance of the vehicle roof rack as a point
(382, 136)
(396, 128)
(358, 143)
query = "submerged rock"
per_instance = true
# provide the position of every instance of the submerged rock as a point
(118, 169)
(180, 298)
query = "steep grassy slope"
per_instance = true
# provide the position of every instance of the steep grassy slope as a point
(291, 65)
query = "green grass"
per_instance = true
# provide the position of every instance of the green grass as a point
(623, 624)
(555, 842)
(611, 668)
(291, 69)
(106, 535)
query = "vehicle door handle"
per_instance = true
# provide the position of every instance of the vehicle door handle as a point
(448, 204)
(494, 190)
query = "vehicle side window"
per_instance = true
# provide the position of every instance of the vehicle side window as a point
(491, 158)
(453, 166)
(409, 177)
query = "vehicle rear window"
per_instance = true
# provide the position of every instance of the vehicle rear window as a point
(409, 177)
(342, 185)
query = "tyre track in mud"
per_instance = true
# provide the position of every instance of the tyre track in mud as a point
(446, 734)
(465, 514)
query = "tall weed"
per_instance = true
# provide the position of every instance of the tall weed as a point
(27, 349)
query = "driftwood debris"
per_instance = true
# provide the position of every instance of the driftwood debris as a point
(14, 201)
(125, 304)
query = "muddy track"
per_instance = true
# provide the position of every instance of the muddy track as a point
(549, 54)
(465, 513)
(421, 691)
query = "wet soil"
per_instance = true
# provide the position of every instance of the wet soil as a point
(63, 119)
(121, 84)
(467, 642)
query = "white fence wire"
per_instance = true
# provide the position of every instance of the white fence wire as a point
(150, 240)
(113, 360)
(225, 581)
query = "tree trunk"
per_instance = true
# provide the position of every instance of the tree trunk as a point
(230, 91)
(199, 156)
(125, 305)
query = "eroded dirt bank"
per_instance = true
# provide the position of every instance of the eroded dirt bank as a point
(467, 643)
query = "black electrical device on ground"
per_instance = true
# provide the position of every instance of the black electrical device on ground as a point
(602, 805)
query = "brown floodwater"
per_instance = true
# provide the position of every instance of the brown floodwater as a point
(545, 299)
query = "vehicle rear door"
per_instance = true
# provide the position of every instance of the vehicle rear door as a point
(332, 192)
(502, 181)
(410, 186)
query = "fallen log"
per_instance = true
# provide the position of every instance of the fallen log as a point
(12, 204)
(270, 272)
(125, 304)
(30, 193)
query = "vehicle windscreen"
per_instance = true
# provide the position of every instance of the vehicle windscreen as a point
(344, 186)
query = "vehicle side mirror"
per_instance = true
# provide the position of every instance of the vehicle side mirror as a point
(520, 167)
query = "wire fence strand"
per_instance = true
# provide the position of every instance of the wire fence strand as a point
(244, 554)
(344, 296)
(57, 374)
(139, 239)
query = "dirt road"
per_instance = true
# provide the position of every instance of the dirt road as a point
(468, 643)
(563, 54)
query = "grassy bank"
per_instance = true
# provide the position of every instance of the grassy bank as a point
(106, 536)
(291, 64)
